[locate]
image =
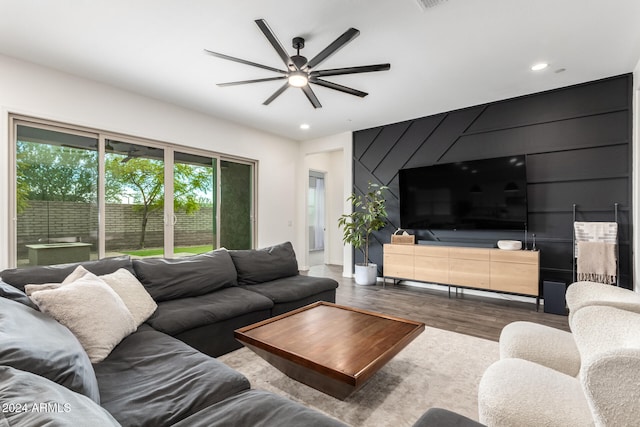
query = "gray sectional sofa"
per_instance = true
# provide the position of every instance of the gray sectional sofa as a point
(162, 373)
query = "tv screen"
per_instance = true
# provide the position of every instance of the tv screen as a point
(488, 194)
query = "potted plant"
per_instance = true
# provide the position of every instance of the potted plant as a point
(368, 215)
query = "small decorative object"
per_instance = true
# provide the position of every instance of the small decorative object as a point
(401, 237)
(369, 215)
(510, 245)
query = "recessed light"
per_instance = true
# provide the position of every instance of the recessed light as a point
(539, 66)
(304, 126)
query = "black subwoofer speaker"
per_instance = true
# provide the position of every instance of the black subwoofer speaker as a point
(554, 301)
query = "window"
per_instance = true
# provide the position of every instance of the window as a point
(83, 194)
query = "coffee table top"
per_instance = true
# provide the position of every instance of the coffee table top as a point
(343, 343)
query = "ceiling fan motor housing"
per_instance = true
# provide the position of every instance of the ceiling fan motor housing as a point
(299, 61)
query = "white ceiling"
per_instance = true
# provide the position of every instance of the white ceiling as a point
(456, 54)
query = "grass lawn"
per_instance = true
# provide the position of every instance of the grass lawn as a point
(159, 251)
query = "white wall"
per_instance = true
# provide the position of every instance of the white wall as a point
(335, 154)
(35, 91)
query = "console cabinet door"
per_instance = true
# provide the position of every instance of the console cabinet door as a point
(470, 267)
(398, 261)
(432, 264)
(515, 271)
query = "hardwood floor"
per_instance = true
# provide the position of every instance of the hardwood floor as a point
(467, 314)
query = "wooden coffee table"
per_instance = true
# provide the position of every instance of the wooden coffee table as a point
(332, 348)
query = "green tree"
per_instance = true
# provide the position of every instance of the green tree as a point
(58, 173)
(53, 172)
(145, 178)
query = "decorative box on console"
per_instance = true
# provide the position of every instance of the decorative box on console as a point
(401, 237)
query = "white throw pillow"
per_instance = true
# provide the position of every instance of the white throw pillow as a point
(93, 311)
(133, 293)
(125, 284)
(29, 289)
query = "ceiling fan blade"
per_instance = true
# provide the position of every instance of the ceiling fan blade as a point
(244, 61)
(338, 87)
(282, 53)
(351, 70)
(242, 82)
(336, 45)
(313, 99)
(276, 94)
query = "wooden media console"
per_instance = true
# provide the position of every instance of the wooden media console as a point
(497, 270)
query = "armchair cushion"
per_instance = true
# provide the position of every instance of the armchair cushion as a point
(583, 294)
(541, 344)
(516, 392)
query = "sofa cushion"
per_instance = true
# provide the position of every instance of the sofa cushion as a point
(293, 288)
(31, 400)
(152, 379)
(19, 277)
(14, 294)
(176, 316)
(257, 408)
(167, 279)
(34, 342)
(93, 311)
(438, 417)
(262, 265)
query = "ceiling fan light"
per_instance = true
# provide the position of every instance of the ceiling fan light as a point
(298, 79)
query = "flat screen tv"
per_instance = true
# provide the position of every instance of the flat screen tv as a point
(488, 194)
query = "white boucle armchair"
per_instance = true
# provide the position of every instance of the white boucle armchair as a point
(608, 339)
(556, 348)
(605, 392)
(584, 294)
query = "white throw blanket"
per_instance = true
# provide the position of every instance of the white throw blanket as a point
(597, 262)
(596, 245)
(606, 232)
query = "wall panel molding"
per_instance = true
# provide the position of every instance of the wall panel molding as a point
(578, 146)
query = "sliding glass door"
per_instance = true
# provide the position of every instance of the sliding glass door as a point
(236, 205)
(56, 196)
(83, 195)
(134, 199)
(194, 204)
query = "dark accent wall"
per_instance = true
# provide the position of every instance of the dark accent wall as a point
(577, 142)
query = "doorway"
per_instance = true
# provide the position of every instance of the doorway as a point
(316, 211)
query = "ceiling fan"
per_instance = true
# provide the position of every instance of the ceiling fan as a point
(301, 72)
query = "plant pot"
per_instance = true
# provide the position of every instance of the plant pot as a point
(366, 274)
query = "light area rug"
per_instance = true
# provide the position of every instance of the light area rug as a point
(439, 368)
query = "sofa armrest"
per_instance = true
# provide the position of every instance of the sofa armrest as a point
(610, 382)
